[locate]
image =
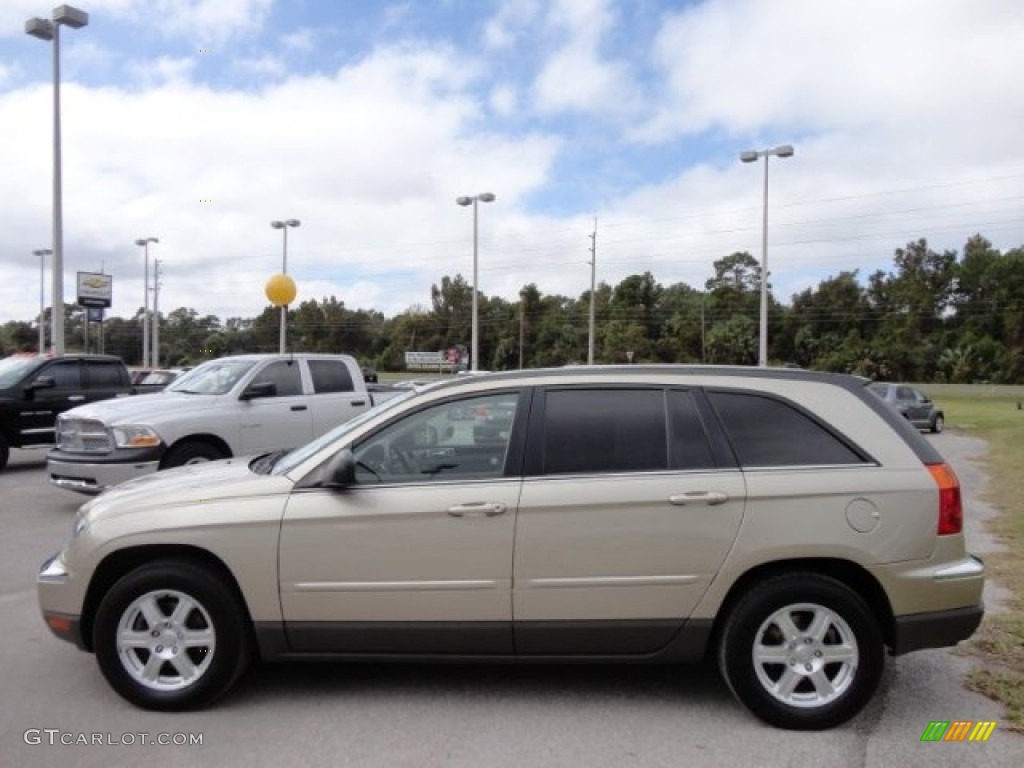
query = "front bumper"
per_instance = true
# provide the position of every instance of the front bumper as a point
(94, 475)
(52, 585)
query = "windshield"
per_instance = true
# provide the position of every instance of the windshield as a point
(12, 369)
(213, 378)
(293, 458)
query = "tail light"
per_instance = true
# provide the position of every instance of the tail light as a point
(951, 510)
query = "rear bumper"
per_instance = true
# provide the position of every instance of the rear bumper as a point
(939, 629)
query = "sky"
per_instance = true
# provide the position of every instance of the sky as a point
(198, 122)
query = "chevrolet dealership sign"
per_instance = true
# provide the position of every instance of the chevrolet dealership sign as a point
(95, 289)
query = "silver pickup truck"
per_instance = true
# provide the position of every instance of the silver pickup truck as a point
(233, 406)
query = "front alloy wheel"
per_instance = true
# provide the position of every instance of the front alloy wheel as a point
(170, 636)
(802, 651)
(166, 640)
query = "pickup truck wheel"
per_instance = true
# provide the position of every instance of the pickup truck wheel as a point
(170, 636)
(802, 651)
(192, 453)
(5, 453)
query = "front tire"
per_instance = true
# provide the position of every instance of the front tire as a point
(169, 636)
(802, 651)
(5, 452)
(938, 423)
(192, 453)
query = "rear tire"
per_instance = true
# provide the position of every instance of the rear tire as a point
(802, 651)
(170, 636)
(938, 424)
(193, 452)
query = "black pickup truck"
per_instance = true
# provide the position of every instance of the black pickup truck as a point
(35, 389)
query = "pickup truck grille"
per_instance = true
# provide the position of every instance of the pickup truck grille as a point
(83, 436)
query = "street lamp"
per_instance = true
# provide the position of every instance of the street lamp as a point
(42, 253)
(752, 156)
(283, 226)
(483, 197)
(47, 30)
(144, 243)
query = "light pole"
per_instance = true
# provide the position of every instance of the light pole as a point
(283, 226)
(45, 29)
(483, 197)
(751, 156)
(42, 253)
(144, 243)
(593, 270)
(156, 313)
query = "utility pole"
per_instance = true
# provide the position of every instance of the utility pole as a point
(521, 321)
(593, 270)
(156, 313)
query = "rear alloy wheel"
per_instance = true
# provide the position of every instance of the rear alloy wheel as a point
(169, 636)
(802, 651)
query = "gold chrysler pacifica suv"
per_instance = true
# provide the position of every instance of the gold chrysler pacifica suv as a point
(786, 523)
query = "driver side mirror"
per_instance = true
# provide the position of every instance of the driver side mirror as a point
(259, 389)
(340, 471)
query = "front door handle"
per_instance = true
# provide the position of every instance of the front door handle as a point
(76, 398)
(711, 498)
(477, 509)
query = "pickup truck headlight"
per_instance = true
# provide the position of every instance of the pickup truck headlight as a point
(135, 436)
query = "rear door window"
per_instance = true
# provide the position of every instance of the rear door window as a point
(604, 431)
(689, 447)
(330, 376)
(102, 375)
(283, 375)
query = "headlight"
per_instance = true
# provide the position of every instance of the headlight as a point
(135, 436)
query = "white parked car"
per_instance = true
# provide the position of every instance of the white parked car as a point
(233, 406)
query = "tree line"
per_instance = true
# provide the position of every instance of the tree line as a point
(932, 317)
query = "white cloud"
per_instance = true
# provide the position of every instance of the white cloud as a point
(903, 118)
(739, 65)
(576, 76)
(370, 160)
(504, 100)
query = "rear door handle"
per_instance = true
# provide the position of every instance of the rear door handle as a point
(710, 498)
(76, 398)
(477, 509)
(358, 402)
(298, 407)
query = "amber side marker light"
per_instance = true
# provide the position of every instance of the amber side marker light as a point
(951, 510)
(59, 624)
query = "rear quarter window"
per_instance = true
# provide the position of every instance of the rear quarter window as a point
(768, 432)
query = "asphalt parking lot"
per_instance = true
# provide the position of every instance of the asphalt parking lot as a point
(423, 716)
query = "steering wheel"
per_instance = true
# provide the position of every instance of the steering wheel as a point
(397, 457)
